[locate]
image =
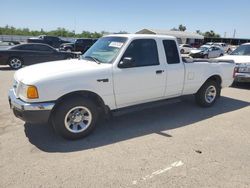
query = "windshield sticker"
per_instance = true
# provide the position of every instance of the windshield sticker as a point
(116, 44)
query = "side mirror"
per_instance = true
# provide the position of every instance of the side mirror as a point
(127, 62)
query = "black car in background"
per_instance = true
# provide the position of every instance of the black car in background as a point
(50, 40)
(28, 54)
(80, 45)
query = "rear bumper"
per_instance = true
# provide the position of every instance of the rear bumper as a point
(242, 77)
(30, 112)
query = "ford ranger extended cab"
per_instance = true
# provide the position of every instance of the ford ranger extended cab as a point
(118, 71)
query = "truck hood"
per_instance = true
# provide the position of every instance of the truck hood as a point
(236, 58)
(56, 70)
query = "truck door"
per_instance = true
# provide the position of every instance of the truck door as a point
(175, 69)
(145, 79)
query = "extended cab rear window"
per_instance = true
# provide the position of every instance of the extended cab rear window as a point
(171, 51)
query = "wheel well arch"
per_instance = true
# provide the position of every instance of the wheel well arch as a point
(69, 47)
(83, 93)
(216, 78)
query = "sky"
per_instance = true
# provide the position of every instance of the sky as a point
(222, 16)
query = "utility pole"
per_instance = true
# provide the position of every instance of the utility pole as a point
(234, 33)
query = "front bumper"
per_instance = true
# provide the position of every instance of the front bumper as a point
(30, 112)
(242, 77)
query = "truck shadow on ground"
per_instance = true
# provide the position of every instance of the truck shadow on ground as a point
(241, 85)
(128, 126)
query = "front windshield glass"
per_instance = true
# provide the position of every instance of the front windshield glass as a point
(203, 48)
(105, 49)
(242, 50)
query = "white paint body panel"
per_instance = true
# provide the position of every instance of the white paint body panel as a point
(126, 87)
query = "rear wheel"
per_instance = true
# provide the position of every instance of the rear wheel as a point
(75, 118)
(182, 51)
(15, 63)
(208, 94)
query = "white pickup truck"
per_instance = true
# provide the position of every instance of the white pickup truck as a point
(118, 71)
(241, 57)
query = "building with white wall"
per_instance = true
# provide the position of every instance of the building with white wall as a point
(183, 37)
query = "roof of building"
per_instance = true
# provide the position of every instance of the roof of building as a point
(141, 36)
(178, 34)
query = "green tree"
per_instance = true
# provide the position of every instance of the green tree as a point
(60, 32)
(182, 28)
(211, 34)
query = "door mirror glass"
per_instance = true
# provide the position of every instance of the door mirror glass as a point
(126, 62)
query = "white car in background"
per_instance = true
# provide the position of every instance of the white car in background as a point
(207, 51)
(224, 46)
(185, 48)
(241, 56)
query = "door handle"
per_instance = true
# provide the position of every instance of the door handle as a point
(159, 71)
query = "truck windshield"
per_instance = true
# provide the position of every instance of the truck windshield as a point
(242, 50)
(105, 49)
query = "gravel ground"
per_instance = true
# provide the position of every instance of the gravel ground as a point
(176, 145)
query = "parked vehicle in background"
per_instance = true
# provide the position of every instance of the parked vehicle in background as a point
(28, 54)
(117, 71)
(80, 45)
(224, 46)
(5, 45)
(206, 52)
(241, 56)
(12, 42)
(209, 44)
(186, 48)
(50, 40)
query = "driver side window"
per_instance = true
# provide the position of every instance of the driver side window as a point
(143, 52)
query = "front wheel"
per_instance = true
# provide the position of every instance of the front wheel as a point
(75, 118)
(68, 50)
(208, 94)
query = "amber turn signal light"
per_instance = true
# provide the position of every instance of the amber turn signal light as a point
(32, 92)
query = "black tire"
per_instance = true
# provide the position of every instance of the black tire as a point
(68, 50)
(221, 55)
(63, 109)
(182, 51)
(201, 96)
(15, 63)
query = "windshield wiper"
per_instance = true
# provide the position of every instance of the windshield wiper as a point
(93, 58)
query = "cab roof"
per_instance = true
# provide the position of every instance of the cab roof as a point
(132, 36)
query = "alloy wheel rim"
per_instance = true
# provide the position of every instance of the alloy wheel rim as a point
(78, 119)
(15, 63)
(210, 94)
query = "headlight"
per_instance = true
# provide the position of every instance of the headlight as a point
(28, 91)
(243, 69)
